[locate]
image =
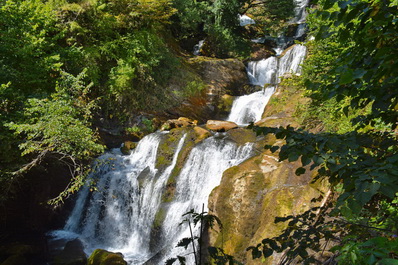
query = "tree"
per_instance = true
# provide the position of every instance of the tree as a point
(59, 127)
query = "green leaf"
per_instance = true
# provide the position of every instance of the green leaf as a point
(346, 77)
(388, 262)
(185, 242)
(300, 171)
(293, 156)
(305, 160)
(267, 252)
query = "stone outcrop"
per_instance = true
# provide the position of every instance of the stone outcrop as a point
(223, 76)
(249, 198)
(220, 126)
(103, 257)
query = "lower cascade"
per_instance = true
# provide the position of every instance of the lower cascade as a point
(120, 215)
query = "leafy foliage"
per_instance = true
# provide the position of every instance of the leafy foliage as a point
(272, 16)
(205, 220)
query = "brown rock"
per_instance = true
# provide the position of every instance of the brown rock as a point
(249, 198)
(201, 134)
(221, 75)
(220, 126)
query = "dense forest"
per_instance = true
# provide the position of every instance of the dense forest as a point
(71, 68)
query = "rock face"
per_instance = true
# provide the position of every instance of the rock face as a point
(249, 198)
(222, 76)
(103, 257)
(220, 126)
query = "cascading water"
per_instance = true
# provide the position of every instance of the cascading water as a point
(268, 72)
(120, 214)
(249, 108)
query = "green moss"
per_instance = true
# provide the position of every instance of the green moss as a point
(242, 136)
(159, 218)
(103, 257)
(168, 193)
(168, 146)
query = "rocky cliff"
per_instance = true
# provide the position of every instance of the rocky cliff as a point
(253, 193)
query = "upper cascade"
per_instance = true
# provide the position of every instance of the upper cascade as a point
(265, 73)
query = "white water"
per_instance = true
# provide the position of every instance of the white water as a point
(266, 72)
(119, 215)
(249, 108)
(245, 20)
(197, 47)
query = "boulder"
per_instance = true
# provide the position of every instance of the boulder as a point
(201, 134)
(103, 257)
(220, 126)
(127, 147)
(242, 136)
(178, 123)
(72, 254)
(224, 105)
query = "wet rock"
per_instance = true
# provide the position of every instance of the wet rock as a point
(72, 254)
(242, 136)
(225, 105)
(220, 126)
(103, 257)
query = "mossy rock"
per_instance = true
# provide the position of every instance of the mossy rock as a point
(103, 257)
(127, 147)
(192, 138)
(251, 195)
(168, 146)
(201, 134)
(242, 136)
(224, 105)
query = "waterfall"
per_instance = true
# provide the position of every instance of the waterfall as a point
(118, 211)
(249, 108)
(120, 214)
